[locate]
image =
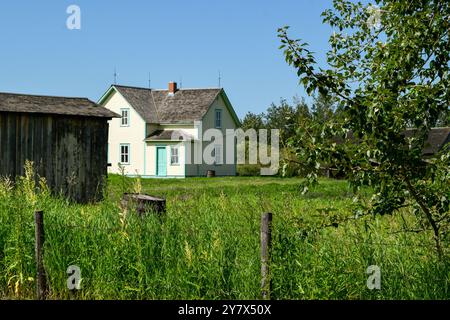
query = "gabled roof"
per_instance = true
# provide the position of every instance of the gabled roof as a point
(185, 105)
(141, 100)
(437, 138)
(159, 106)
(23, 103)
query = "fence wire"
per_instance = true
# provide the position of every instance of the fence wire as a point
(403, 276)
(103, 229)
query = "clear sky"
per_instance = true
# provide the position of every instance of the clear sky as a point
(190, 40)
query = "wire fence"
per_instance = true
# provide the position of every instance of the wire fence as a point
(91, 228)
(405, 275)
(266, 254)
(317, 230)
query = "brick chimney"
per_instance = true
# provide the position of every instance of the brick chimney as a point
(172, 87)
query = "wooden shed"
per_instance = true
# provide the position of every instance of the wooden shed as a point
(66, 138)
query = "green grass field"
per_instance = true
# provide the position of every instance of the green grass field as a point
(207, 244)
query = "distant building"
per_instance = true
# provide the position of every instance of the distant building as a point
(66, 138)
(436, 140)
(142, 140)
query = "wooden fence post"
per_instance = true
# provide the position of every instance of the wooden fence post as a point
(266, 246)
(41, 284)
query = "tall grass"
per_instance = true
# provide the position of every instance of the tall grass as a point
(207, 244)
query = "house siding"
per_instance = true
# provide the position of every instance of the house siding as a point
(134, 135)
(172, 170)
(208, 123)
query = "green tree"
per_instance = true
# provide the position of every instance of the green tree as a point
(282, 117)
(388, 66)
(253, 121)
(323, 108)
(302, 111)
(444, 119)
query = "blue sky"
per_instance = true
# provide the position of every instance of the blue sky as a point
(175, 39)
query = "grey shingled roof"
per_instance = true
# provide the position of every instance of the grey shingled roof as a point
(167, 135)
(436, 139)
(158, 106)
(141, 100)
(23, 103)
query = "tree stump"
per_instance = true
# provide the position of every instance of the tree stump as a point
(143, 203)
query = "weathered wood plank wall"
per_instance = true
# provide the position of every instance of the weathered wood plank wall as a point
(70, 152)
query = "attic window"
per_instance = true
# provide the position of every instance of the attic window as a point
(218, 118)
(125, 117)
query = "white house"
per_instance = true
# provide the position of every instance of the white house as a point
(142, 140)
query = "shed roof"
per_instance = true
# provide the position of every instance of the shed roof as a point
(24, 103)
(166, 135)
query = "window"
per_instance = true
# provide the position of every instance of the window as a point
(217, 154)
(125, 120)
(174, 158)
(218, 118)
(125, 154)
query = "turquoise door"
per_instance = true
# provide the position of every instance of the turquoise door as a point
(161, 161)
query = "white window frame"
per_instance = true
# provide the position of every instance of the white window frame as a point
(127, 124)
(218, 156)
(172, 149)
(218, 119)
(127, 154)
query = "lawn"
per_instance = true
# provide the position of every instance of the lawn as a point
(207, 244)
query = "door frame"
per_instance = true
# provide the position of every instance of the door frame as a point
(157, 159)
